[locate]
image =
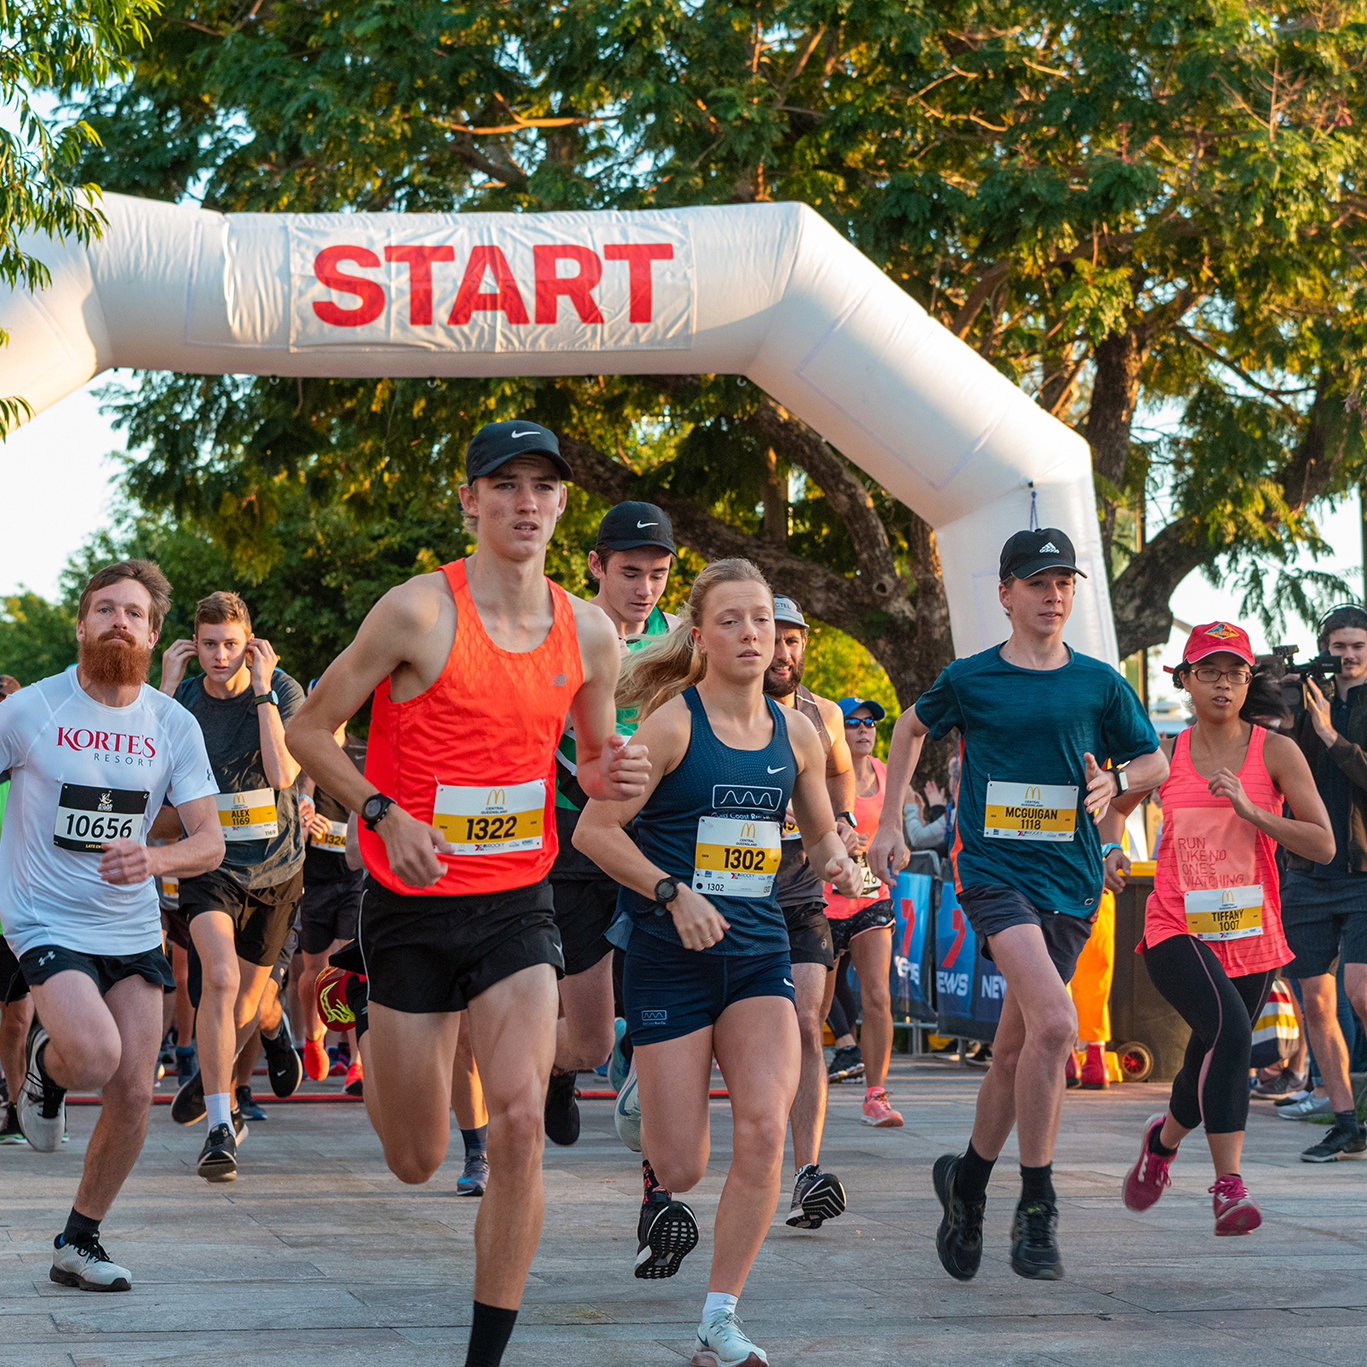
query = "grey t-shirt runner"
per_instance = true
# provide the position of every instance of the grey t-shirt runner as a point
(232, 736)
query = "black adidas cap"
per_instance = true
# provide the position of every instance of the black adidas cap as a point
(496, 443)
(631, 525)
(1030, 553)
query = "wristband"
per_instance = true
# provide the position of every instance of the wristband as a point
(1106, 849)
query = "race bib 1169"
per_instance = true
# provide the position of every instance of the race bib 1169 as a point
(248, 816)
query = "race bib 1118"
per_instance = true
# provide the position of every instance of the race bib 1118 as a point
(1030, 811)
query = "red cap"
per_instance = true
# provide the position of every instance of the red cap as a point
(1214, 637)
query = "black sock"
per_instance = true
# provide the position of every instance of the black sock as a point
(1037, 1183)
(1156, 1143)
(489, 1335)
(1348, 1122)
(970, 1181)
(358, 999)
(80, 1229)
(654, 1191)
(476, 1140)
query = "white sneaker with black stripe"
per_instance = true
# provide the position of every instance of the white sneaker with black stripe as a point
(88, 1267)
(41, 1107)
(721, 1342)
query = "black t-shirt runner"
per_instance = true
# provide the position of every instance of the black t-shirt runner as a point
(325, 856)
(265, 843)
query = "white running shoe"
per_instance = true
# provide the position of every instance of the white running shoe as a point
(1302, 1110)
(626, 1114)
(721, 1342)
(41, 1107)
(88, 1267)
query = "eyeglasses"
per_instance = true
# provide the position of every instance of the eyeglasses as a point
(860, 721)
(1208, 674)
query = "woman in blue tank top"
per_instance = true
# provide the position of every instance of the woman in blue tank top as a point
(707, 971)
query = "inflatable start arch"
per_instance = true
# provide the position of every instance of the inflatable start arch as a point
(769, 291)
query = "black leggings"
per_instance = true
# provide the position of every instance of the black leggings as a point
(1213, 1084)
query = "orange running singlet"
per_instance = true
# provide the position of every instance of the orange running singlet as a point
(474, 754)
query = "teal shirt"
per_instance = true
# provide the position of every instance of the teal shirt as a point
(1027, 729)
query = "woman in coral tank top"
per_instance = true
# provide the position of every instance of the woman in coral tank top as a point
(1212, 928)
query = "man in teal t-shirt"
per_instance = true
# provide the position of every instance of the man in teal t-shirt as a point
(1036, 720)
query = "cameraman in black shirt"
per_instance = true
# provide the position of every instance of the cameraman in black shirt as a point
(1324, 906)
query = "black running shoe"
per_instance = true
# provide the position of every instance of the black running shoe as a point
(247, 1106)
(187, 1106)
(845, 1063)
(817, 1196)
(562, 1110)
(218, 1157)
(668, 1233)
(283, 1064)
(1034, 1242)
(959, 1240)
(1336, 1146)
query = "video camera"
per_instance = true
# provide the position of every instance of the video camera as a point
(1317, 669)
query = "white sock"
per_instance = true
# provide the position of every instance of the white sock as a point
(220, 1108)
(717, 1300)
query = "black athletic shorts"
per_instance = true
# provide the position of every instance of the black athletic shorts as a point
(669, 991)
(175, 925)
(429, 953)
(261, 917)
(845, 928)
(13, 986)
(328, 912)
(104, 970)
(809, 935)
(584, 909)
(1324, 918)
(288, 950)
(992, 908)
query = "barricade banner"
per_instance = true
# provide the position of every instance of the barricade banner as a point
(913, 905)
(955, 962)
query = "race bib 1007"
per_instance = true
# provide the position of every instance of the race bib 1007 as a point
(248, 816)
(1225, 913)
(88, 818)
(1030, 811)
(491, 820)
(736, 858)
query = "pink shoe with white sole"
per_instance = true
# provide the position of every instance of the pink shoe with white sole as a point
(1236, 1212)
(1145, 1181)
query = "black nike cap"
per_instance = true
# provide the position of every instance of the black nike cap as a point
(1031, 553)
(631, 525)
(496, 443)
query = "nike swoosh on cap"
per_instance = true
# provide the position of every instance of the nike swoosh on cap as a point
(646, 524)
(779, 770)
(535, 433)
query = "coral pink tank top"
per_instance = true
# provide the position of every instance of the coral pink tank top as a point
(473, 754)
(867, 811)
(1217, 874)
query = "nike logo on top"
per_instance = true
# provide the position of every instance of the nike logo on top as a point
(532, 433)
(779, 770)
(1048, 545)
(639, 525)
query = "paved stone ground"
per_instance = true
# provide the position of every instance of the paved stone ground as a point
(316, 1255)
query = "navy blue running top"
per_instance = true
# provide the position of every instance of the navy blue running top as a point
(715, 823)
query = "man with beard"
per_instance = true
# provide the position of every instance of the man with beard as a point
(817, 1195)
(94, 752)
(240, 913)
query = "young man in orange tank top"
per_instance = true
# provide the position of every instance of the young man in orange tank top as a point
(490, 649)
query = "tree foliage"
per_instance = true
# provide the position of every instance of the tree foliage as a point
(1126, 205)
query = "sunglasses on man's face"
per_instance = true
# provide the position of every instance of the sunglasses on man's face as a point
(860, 721)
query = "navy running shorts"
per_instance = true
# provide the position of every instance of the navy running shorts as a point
(669, 991)
(993, 907)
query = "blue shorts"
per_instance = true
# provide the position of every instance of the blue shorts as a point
(669, 991)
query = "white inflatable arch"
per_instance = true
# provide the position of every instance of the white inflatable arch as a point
(769, 291)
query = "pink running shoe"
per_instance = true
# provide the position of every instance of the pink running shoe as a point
(877, 1112)
(1236, 1212)
(1146, 1180)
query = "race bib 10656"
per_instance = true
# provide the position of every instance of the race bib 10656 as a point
(1030, 811)
(491, 819)
(88, 818)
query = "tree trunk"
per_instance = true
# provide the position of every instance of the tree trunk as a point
(775, 526)
(1115, 395)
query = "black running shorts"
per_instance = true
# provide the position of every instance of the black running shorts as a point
(261, 917)
(429, 953)
(104, 970)
(809, 935)
(845, 928)
(992, 908)
(328, 912)
(13, 987)
(584, 909)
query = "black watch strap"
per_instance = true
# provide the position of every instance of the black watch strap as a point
(374, 808)
(666, 890)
